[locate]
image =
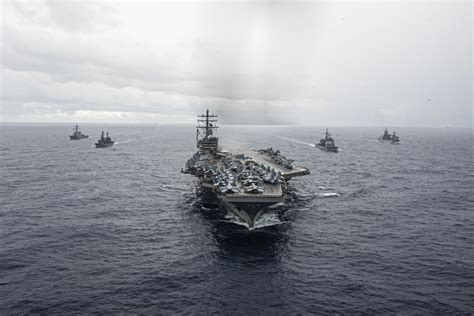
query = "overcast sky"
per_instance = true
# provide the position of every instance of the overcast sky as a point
(397, 63)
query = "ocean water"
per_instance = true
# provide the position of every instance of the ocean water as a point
(375, 228)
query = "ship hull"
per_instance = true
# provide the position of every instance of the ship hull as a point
(103, 145)
(77, 138)
(388, 141)
(250, 212)
(331, 149)
(248, 208)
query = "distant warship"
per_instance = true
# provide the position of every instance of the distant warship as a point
(327, 143)
(386, 137)
(395, 139)
(77, 134)
(104, 141)
(247, 183)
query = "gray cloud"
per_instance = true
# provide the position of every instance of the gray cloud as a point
(75, 16)
(394, 63)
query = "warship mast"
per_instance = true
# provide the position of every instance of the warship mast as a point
(77, 134)
(207, 122)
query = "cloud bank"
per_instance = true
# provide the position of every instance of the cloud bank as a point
(338, 63)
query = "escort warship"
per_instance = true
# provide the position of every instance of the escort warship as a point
(391, 138)
(104, 141)
(327, 143)
(77, 134)
(245, 182)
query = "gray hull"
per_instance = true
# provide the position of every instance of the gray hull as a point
(103, 145)
(331, 149)
(249, 212)
(388, 141)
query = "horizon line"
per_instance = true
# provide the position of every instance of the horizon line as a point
(234, 124)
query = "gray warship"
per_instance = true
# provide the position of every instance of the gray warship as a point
(395, 139)
(327, 143)
(245, 182)
(391, 138)
(77, 134)
(104, 141)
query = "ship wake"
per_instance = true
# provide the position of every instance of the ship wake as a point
(297, 141)
(328, 194)
(135, 139)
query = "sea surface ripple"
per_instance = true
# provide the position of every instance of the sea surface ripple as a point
(374, 229)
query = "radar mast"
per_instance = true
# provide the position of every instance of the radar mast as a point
(207, 123)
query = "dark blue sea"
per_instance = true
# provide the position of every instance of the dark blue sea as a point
(374, 229)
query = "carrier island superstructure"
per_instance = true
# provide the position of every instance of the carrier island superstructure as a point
(246, 182)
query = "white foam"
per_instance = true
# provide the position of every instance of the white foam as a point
(296, 141)
(268, 219)
(148, 137)
(328, 194)
(278, 205)
(233, 219)
(263, 225)
(230, 215)
(125, 141)
(135, 139)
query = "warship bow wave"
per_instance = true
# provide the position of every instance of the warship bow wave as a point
(247, 183)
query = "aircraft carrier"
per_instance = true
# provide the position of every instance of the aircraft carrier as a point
(246, 182)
